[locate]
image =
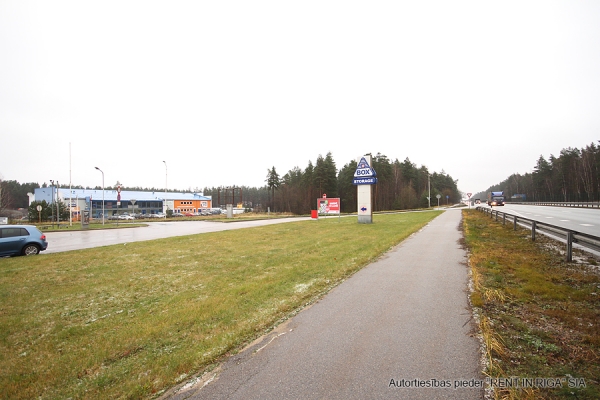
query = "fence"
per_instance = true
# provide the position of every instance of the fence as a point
(566, 235)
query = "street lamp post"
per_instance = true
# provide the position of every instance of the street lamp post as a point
(57, 208)
(429, 184)
(102, 193)
(165, 199)
(52, 200)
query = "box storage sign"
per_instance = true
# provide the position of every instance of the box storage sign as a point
(364, 174)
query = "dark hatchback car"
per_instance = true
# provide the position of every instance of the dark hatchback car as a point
(25, 240)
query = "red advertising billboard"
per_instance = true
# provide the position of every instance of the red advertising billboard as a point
(328, 205)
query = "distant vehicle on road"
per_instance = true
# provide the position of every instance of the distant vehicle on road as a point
(495, 199)
(21, 240)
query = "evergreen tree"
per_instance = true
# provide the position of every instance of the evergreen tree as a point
(273, 183)
(346, 189)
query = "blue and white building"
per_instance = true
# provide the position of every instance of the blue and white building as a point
(132, 202)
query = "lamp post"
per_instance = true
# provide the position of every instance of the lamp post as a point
(429, 184)
(165, 199)
(102, 193)
(52, 200)
(57, 208)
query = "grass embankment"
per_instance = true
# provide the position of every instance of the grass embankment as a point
(539, 315)
(130, 321)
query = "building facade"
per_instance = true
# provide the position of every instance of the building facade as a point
(126, 201)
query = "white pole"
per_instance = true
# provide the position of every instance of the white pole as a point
(429, 184)
(70, 190)
(165, 200)
(102, 193)
(57, 209)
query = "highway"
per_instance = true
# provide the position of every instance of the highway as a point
(584, 220)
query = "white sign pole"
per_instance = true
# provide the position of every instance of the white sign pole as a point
(364, 196)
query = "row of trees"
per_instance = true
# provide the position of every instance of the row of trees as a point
(13, 195)
(572, 176)
(401, 185)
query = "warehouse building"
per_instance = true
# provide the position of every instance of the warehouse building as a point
(125, 201)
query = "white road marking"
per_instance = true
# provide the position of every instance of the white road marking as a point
(586, 224)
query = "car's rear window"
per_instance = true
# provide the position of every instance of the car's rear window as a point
(12, 232)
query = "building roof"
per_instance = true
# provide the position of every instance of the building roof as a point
(126, 195)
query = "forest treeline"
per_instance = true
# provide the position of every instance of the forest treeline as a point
(572, 176)
(400, 185)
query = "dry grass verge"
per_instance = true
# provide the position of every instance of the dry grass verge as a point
(539, 316)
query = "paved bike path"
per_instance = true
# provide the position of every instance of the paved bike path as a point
(401, 321)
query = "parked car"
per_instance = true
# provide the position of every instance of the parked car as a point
(126, 216)
(25, 240)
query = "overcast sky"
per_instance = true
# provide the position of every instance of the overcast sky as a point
(224, 90)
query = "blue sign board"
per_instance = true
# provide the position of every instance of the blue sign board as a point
(364, 170)
(364, 181)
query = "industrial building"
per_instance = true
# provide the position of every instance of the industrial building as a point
(119, 202)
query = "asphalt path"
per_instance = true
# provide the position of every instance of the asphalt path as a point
(399, 328)
(76, 240)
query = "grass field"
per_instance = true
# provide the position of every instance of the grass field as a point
(540, 316)
(131, 321)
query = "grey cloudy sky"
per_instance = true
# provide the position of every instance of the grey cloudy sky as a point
(223, 91)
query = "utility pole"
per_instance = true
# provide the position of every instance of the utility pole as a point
(165, 200)
(429, 184)
(102, 193)
(52, 200)
(57, 209)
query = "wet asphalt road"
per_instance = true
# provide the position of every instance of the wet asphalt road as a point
(403, 320)
(75, 240)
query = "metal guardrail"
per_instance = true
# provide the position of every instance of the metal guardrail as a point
(589, 204)
(567, 235)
